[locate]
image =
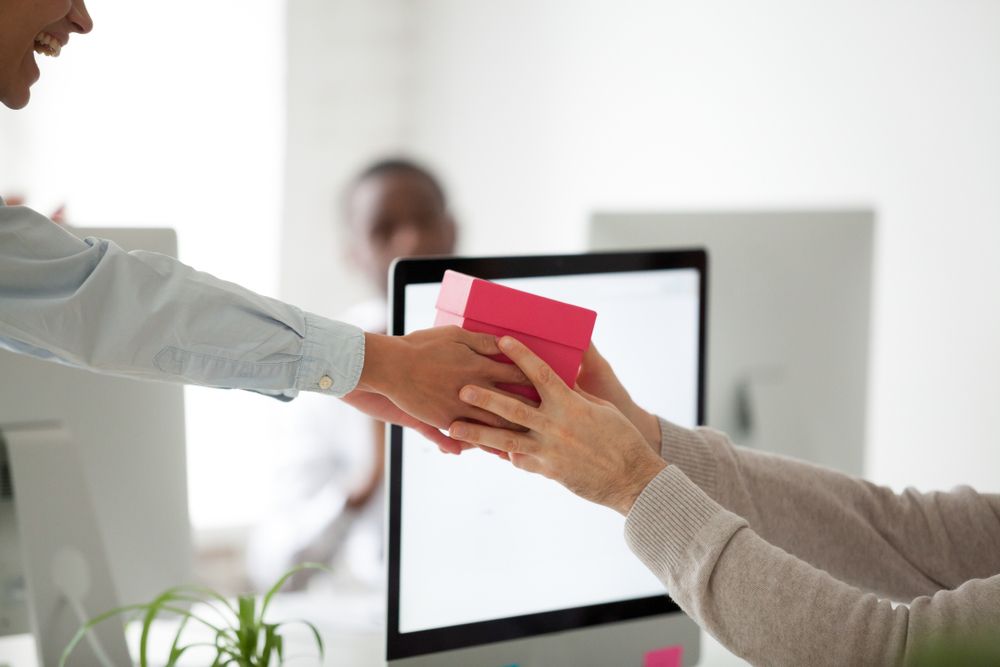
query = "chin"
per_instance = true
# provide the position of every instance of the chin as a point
(16, 103)
(15, 99)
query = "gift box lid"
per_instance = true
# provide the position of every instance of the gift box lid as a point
(484, 301)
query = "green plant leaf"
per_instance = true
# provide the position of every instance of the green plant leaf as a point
(153, 609)
(174, 652)
(281, 582)
(208, 601)
(315, 633)
(208, 592)
(174, 657)
(247, 629)
(86, 627)
(268, 647)
(242, 637)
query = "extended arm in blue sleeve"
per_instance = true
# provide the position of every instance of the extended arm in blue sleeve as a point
(90, 304)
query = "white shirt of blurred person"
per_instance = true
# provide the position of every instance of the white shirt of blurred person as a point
(329, 502)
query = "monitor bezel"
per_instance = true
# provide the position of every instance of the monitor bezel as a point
(411, 271)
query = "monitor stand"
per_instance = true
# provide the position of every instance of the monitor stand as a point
(62, 551)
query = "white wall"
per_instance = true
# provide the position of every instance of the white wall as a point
(173, 117)
(346, 69)
(540, 112)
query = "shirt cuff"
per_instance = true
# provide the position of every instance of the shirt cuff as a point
(333, 354)
(690, 451)
(668, 519)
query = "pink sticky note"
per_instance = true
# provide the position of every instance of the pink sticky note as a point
(671, 656)
(557, 332)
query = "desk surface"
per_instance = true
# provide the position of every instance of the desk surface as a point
(351, 626)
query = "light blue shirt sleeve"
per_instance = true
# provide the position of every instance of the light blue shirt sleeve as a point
(88, 303)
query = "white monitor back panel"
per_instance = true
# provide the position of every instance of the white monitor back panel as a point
(789, 311)
(65, 564)
(130, 439)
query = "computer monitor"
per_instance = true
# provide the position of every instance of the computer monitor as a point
(489, 565)
(64, 562)
(129, 438)
(790, 305)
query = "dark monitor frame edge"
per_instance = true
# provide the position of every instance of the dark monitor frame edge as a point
(431, 270)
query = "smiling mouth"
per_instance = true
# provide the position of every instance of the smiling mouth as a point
(47, 45)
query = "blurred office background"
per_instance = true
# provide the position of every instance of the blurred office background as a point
(238, 122)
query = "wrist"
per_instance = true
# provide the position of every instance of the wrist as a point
(638, 482)
(648, 425)
(380, 352)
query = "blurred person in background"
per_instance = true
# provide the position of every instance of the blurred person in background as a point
(328, 505)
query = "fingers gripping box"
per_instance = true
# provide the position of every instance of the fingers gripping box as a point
(557, 332)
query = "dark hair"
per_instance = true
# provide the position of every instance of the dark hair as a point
(395, 165)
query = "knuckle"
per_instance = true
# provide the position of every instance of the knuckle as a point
(545, 375)
(521, 413)
(513, 445)
(514, 375)
(470, 433)
(505, 372)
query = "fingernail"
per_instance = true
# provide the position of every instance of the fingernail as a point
(459, 430)
(506, 343)
(469, 394)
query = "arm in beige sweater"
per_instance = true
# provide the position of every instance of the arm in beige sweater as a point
(897, 545)
(772, 608)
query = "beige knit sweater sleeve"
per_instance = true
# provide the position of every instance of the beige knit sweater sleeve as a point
(788, 564)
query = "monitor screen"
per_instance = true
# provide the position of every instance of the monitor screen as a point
(479, 541)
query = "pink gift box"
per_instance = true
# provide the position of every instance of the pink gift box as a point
(557, 332)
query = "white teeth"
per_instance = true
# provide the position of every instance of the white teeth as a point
(47, 45)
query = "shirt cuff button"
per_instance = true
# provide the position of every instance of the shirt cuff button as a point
(325, 382)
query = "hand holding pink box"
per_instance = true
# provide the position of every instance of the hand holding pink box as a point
(557, 332)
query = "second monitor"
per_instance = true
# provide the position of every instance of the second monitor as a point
(790, 306)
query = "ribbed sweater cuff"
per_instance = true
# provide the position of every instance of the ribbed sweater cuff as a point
(665, 518)
(689, 451)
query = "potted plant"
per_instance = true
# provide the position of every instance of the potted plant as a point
(242, 636)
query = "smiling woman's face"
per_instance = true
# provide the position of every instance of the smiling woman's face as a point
(28, 27)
